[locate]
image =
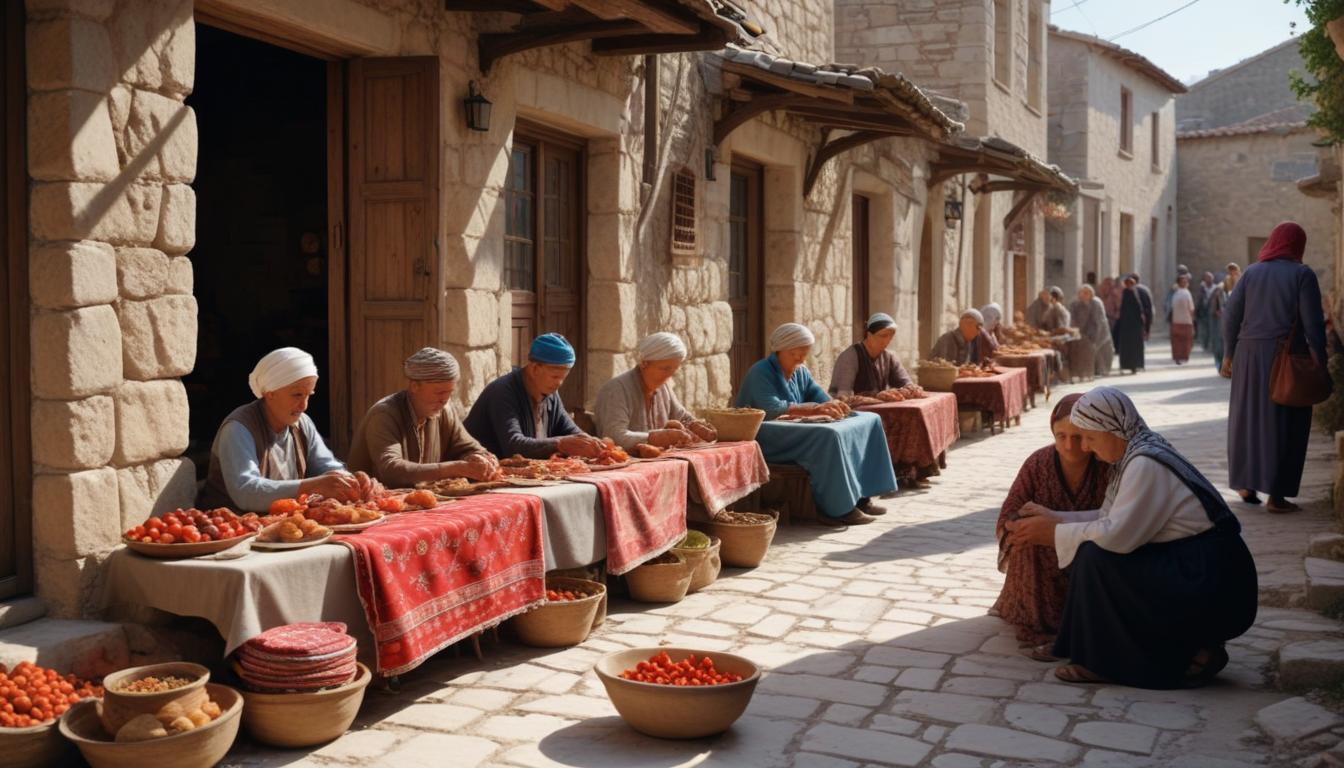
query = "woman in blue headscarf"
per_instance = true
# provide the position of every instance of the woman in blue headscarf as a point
(1161, 578)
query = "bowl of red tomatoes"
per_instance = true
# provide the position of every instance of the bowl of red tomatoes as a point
(31, 700)
(678, 693)
(190, 532)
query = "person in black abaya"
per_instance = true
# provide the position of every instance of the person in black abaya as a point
(1129, 328)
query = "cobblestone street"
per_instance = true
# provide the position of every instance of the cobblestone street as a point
(878, 649)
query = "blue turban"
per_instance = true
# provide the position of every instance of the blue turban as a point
(551, 349)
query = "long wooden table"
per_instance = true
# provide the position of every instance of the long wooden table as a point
(919, 432)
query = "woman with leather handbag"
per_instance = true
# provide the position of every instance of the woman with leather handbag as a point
(1274, 345)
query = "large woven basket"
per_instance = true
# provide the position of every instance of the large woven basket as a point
(660, 583)
(744, 546)
(735, 424)
(938, 379)
(705, 564)
(561, 624)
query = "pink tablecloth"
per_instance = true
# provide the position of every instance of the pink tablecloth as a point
(1037, 365)
(726, 472)
(645, 509)
(919, 431)
(1004, 395)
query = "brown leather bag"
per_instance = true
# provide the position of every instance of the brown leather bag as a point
(1296, 379)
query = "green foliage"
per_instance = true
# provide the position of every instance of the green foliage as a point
(1330, 414)
(1323, 81)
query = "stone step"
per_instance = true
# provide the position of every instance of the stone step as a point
(1293, 719)
(21, 610)
(1329, 546)
(90, 649)
(1325, 584)
(1311, 664)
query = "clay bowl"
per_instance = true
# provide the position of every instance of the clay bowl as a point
(37, 746)
(673, 712)
(304, 719)
(198, 748)
(119, 707)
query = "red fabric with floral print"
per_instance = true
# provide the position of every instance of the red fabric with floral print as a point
(920, 430)
(725, 472)
(1005, 394)
(428, 579)
(645, 510)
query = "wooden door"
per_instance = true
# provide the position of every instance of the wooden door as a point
(393, 171)
(543, 246)
(928, 329)
(16, 566)
(1020, 292)
(859, 208)
(745, 281)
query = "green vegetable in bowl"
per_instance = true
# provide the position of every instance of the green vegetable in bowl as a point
(693, 540)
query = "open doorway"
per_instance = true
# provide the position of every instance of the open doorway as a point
(261, 259)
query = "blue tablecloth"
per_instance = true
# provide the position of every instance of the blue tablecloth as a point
(846, 461)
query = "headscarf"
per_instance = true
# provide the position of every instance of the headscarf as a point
(992, 314)
(880, 321)
(430, 364)
(280, 368)
(551, 349)
(661, 346)
(1287, 241)
(975, 315)
(1064, 408)
(1057, 292)
(790, 336)
(1107, 409)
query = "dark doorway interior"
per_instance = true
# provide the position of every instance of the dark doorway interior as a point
(260, 260)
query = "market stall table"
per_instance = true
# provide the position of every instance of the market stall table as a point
(919, 432)
(723, 473)
(1039, 367)
(1004, 395)
(828, 452)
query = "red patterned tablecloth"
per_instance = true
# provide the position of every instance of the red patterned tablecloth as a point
(1004, 394)
(1037, 365)
(429, 579)
(919, 431)
(725, 472)
(645, 509)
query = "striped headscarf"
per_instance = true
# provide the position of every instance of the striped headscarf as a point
(430, 364)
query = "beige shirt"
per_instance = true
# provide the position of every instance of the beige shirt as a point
(622, 413)
(400, 450)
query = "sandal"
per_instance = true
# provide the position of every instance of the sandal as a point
(1043, 653)
(1281, 506)
(1077, 673)
(1248, 497)
(1202, 673)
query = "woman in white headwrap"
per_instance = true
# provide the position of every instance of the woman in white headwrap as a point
(1160, 577)
(869, 367)
(847, 464)
(269, 449)
(639, 406)
(993, 315)
(967, 343)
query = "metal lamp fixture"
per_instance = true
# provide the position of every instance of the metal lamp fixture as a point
(952, 209)
(477, 108)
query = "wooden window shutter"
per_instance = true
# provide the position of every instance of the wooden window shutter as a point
(683, 212)
(393, 171)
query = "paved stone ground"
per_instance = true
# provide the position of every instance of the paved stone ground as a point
(878, 648)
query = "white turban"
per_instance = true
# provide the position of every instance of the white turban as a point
(279, 369)
(430, 364)
(975, 315)
(791, 335)
(661, 346)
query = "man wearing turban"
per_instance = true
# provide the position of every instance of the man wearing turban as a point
(269, 449)
(413, 435)
(968, 342)
(521, 413)
(639, 407)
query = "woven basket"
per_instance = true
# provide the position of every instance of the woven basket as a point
(744, 546)
(660, 583)
(735, 424)
(561, 624)
(705, 564)
(937, 379)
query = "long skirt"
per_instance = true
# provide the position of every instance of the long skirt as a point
(1266, 442)
(1101, 361)
(1129, 343)
(1139, 618)
(845, 461)
(1182, 341)
(1216, 342)
(1034, 588)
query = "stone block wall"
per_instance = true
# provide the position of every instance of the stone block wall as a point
(1251, 88)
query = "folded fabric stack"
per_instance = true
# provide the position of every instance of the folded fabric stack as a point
(297, 658)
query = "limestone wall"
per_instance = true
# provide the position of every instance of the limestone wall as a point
(1235, 188)
(1251, 88)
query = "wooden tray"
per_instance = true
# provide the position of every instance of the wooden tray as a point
(179, 551)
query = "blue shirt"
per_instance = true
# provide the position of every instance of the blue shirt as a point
(765, 387)
(241, 467)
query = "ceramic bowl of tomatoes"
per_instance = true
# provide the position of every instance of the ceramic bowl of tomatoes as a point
(678, 693)
(31, 700)
(190, 532)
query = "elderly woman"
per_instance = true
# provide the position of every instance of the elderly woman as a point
(968, 342)
(868, 367)
(847, 462)
(1129, 331)
(1089, 315)
(1161, 578)
(993, 315)
(1062, 476)
(637, 406)
(1182, 306)
(1056, 316)
(269, 449)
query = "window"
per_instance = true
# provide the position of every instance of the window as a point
(1126, 243)
(1126, 121)
(1003, 41)
(1035, 59)
(1157, 141)
(683, 212)
(1154, 245)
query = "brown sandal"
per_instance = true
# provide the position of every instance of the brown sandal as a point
(1043, 653)
(1077, 673)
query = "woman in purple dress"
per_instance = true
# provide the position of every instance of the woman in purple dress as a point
(1267, 442)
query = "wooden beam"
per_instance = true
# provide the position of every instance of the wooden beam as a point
(652, 16)
(637, 45)
(498, 45)
(1012, 186)
(507, 6)
(816, 90)
(839, 120)
(739, 115)
(1018, 208)
(829, 149)
(940, 172)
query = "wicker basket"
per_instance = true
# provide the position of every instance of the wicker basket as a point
(705, 564)
(735, 424)
(660, 583)
(744, 546)
(938, 379)
(561, 624)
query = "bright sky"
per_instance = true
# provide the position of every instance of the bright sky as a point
(1210, 34)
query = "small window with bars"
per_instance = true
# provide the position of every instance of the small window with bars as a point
(683, 212)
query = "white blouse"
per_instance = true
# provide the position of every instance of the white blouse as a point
(1151, 505)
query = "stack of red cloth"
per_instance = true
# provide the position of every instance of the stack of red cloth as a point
(298, 657)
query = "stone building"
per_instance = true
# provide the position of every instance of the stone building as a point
(1112, 126)
(1246, 90)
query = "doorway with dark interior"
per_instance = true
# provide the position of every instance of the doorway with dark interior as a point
(261, 256)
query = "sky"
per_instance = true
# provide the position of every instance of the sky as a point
(1210, 34)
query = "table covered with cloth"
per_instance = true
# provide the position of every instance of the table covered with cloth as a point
(1040, 365)
(1003, 394)
(723, 473)
(845, 461)
(919, 431)
(644, 508)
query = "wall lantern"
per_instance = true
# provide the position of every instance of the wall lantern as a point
(711, 157)
(952, 209)
(477, 108)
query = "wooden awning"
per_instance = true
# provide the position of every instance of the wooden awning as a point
(1016, 168)
(615, 27)
(851, 106)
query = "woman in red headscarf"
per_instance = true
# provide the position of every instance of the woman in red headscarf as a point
(1063, 477)
(1279, 295)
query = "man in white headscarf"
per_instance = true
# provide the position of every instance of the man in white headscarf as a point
(269, 449)
(415, 435)
(967, 343)
(639, 406)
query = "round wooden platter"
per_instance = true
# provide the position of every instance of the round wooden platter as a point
(177, 551)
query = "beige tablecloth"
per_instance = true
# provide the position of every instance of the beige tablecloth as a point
(576, 529)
